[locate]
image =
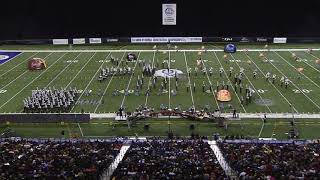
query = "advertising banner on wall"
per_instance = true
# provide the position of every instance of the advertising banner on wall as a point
(166, 39)
(280, 40)
(95, 40)
(79, 41)
(261, 39)
(112, 40)
(169, 14)
(60, 41)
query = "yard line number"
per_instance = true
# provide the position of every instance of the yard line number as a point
(302, 91)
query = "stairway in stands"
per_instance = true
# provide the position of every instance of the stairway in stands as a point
(225, 166)
(113, 166)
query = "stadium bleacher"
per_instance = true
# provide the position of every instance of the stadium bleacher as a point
(169, 159)
(158, 159)
(21, 159)
(273, 160)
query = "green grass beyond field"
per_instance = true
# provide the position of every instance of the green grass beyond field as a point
(254, 128)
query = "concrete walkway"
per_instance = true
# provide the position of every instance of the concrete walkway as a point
(229, 115)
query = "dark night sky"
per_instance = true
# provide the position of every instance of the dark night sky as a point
(23, 19)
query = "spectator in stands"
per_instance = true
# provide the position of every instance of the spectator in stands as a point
(274, 161)
(55, 160)
(169, 159)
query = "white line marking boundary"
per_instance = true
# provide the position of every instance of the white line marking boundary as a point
(80, 70)
(12, 58)
(248, 79)
(271, 83)
(80, 130)
(185, 59)
(153, 50)
(292, 81)
(149, 82)
(56, 76)
(230, 82)
(296, 68)
(19, 63)
(169, 93)
(128, 86)
(98, 70)
(261, 129)
(211, 85)
(307, 62)
(32, 81)
(109, 82)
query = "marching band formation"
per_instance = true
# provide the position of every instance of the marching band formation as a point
(62, 100)
(49, 100)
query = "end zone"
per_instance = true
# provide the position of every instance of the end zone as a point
(6, 56)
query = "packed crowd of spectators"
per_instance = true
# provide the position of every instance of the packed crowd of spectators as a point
(273, 161)
(55, 160)
(169, 159)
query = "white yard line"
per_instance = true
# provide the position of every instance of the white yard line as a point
(45, 70)
(273, 131)
(14, 79)
(21, 75)
(160, 50)
(295, 85)
(296, 70)
(251, 84)
(124, 96)
(91, 80)
(169, 92)
(271, 83)
(310, 64)
(262, 129)
(315, 59)
(12, 58)
(80, 70)
(217, 47)
(105, 90)
(212, 91)
(185, 60)
(19, 64)
(80, 129)
(230, 82)
(56, 76)
(146, 102)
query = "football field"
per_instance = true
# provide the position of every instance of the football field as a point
(80, 69)
(80, 66)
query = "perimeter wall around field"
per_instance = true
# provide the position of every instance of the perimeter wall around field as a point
(161, 40)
